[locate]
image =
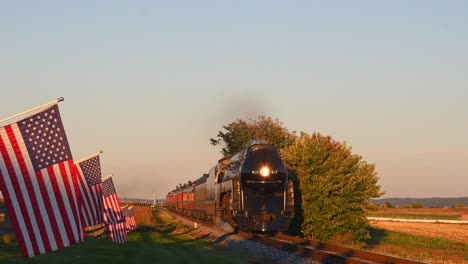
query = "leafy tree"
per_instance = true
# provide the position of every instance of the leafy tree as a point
(239, 134)
(336, 187)
(273, 131)
(389, 205)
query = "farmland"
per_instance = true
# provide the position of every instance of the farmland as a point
(421, 213)
(433, 242)
(453, 232)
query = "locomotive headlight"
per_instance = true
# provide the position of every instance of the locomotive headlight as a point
(265, 171)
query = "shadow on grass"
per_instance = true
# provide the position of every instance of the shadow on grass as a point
(167, 233)
(149, 228)
(376, 237)
(184, 233)
(189, 241)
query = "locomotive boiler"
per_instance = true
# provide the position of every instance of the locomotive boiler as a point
(249, 190)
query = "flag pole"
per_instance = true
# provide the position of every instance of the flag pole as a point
(90, 156)
(56, 101)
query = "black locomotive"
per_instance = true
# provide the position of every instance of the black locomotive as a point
(249, 190)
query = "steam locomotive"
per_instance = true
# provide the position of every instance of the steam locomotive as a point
(249, 191)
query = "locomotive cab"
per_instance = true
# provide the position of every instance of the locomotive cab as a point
(266, 195)
(263, 171)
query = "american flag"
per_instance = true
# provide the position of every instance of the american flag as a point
(118, 232)
(125, 213)
(38, 182)
(131, 218)
(112, 210)
(91, 190)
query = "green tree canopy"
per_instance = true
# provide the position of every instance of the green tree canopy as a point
(239, 134)
(336, 186)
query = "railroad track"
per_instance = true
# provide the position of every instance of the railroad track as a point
(323, 252)
(317, 251)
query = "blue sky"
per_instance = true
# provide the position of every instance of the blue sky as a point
(150, 82)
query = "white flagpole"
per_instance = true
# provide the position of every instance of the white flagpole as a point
(88, 157)
(56, 101)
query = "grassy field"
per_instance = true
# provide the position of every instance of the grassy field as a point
(430, 249)
(413, 216)
(164, 240)
(420, 213)
(432, 242)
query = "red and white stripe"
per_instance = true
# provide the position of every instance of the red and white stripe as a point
(118, 232)
(43, 205)
(127, 224)
(131, 224)
(112, 209)
(92, 209)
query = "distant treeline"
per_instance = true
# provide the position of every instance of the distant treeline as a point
(427, 202)
(136, 200)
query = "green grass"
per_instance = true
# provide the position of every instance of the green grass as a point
(413, 216)
(410, 241)
(166, 242)
(418, 247)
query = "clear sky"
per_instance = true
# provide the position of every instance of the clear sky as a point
(149, 82)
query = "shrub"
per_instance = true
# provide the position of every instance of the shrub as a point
(335, 185)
